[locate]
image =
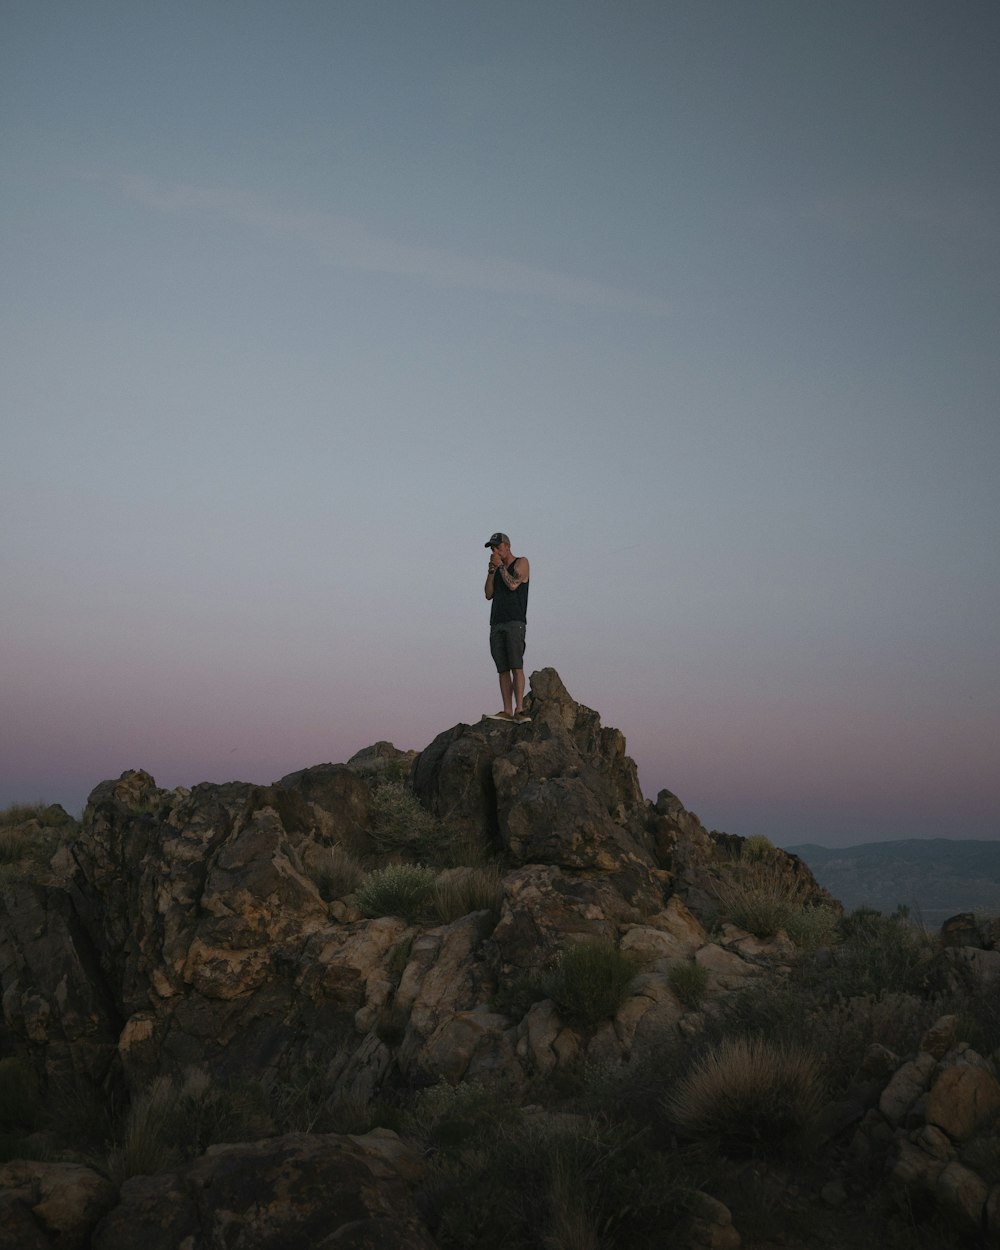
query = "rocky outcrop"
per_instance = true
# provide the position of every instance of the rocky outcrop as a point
(559, 791)
(314, 1191)
(191, 930)
(51, 1204)
(937, 1123)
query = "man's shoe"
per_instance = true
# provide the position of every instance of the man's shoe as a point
(522, 718)
(498, 716)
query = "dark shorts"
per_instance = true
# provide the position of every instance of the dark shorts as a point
(507, 645)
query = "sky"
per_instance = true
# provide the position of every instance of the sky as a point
(697, 300)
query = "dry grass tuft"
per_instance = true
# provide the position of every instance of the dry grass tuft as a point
(759, 897)
(336, 872)
(750, 1096)
(591, 981)
(459, 891)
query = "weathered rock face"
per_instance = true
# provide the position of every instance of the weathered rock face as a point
(937, 1122)
(300, 1192)
(50, 1204)
(189, 931)
(200, 906)
(57, 1000)
(559, 791)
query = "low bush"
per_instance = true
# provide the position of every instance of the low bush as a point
(449, 1117)
(759, 897)
(811, 927)
(572, 1183)
(749, 1096)
(590, 980)
(756, 847)
(689, 982)
(875, 954)
(336, 872)
(843, 1029)
(464, 890)
(399, 823)
(402, 826)
(784, 1012)
(15, 845)
(403, 890)
(170, 1122)
(141, 1147)
(205, 1112)
(21, 813)
(30, 834)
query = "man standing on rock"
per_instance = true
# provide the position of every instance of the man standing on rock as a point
(507, 588)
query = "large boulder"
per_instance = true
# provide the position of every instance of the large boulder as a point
(44, 1206)
(199, 905)
(558, 790)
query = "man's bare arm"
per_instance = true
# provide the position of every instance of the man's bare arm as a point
(514, 576)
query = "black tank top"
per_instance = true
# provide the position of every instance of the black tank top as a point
(508, 605)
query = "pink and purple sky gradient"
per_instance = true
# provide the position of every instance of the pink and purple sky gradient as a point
(698, 301)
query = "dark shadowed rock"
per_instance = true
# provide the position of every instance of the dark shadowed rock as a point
(55, 993)
(299, 1192)
(559, 790)
(961, 930)
(381, 757)
(50, 1206)
(187, 932)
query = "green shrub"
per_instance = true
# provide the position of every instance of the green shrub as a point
(689, 982)
(876, 954)
(401, 826)
(572, 1183)
(141, 1147)
(756, 847)
(204, 1112)
(402, 890)
(843, 1029)
(21, 813)
(449, 1117)
(811, 927)
(79, 1115)
(590, 980)
(783, 1011)
(15, 845)
(759, 897)
(336, 872)
(749, 1096)
(464, 890)
(170, 1122)
(399, 823)
(29, 836)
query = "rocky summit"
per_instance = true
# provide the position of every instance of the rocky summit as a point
(276, 1016)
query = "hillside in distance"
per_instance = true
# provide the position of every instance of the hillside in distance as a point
(934, 877)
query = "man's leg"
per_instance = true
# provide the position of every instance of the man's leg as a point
(518, 684)
(507, 690)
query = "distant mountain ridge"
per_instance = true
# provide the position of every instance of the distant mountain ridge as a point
(934, 877)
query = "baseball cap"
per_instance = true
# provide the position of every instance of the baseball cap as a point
(496, 539)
